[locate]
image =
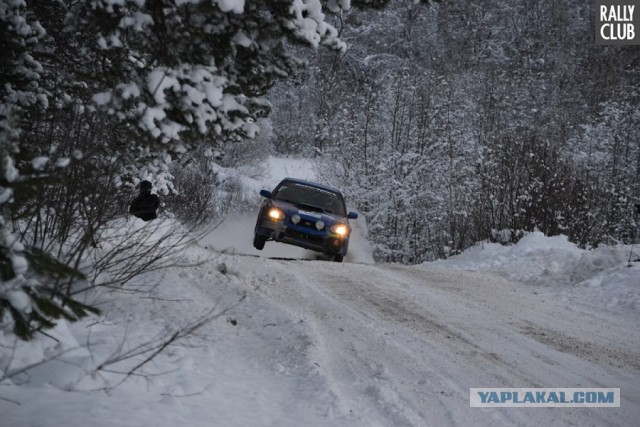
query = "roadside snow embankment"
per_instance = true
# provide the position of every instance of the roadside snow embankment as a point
(600, 278)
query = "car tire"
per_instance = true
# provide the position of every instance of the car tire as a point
(338, 258)
(258, 242)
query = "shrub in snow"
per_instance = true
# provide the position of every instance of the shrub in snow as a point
(29, 299)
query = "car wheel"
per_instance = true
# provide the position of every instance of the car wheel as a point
(338, 258)
(258, 242)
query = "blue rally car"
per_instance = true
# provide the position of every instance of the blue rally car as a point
(305, 214)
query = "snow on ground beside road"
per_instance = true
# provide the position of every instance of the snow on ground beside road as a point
(246, 367)
(601, 278)
(316, 343)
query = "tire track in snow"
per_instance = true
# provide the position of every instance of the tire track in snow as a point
(584, 334)
(402, 345)
(458, 329)
(374, 369)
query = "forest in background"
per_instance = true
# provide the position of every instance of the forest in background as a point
(445, 124)
(464, 121)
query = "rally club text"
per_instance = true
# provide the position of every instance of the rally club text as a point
(617, 22)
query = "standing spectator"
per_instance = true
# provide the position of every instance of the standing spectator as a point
(145, 205)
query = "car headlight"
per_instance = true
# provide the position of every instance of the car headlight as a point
(340, 229)
(276, 214)
(320, 224)
(295, 218)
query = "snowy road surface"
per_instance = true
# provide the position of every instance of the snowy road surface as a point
(402, 345)
(318, 343)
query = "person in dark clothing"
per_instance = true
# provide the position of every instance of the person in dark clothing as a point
(145, 205)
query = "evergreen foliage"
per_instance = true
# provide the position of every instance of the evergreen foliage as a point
(97, 95)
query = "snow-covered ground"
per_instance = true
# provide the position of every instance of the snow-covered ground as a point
(307, 342)
(605, 278)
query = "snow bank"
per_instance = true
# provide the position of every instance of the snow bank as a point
(600, 278)
(127, 249)
(246, 367)
(130, 245)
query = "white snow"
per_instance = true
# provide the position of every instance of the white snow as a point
(130, 90)
(138, 21)
(38, 163)
(19, 300)
(242, 39)
(63, 162)
(10, 172)
(159, 80)
(316, 343)
(602, 278)
(102, 98)
(5, 195)
(235, 6)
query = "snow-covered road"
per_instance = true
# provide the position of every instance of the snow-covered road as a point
(318, 343)
(401, 345)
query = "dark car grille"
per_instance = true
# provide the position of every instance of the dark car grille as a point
(307, 223)
(304, 236)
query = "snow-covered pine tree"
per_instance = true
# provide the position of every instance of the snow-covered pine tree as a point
(123, 88)
(26, 272)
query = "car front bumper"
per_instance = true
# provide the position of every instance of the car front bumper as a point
(320, 241)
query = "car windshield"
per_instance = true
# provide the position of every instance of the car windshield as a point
(311, 198)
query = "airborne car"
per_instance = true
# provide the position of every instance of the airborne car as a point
(305, 214)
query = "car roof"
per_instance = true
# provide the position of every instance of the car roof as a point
(311, 184)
